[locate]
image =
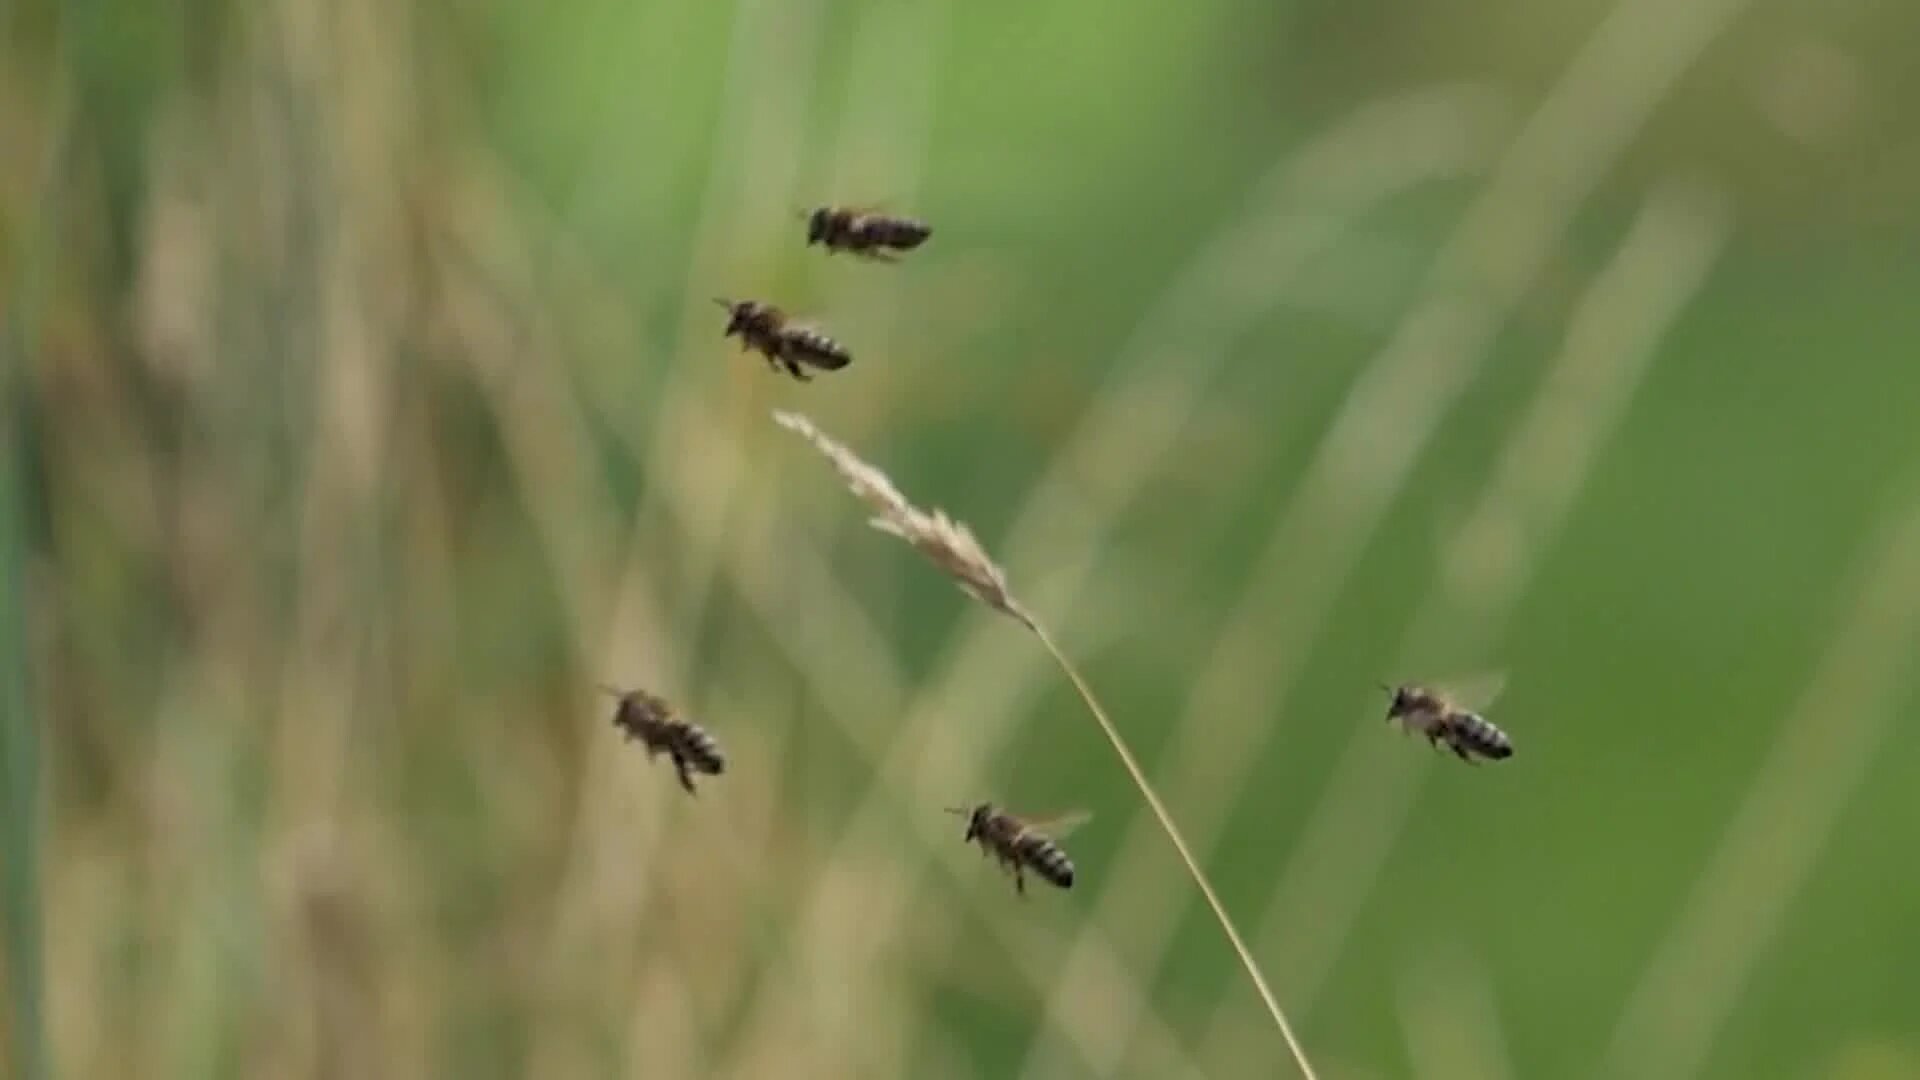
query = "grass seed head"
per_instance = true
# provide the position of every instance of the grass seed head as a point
(947, 543)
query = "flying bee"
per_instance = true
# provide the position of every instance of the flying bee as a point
(1022, 844)
(864, 231)
(785, 343)
(660, 729)
(1453, 716)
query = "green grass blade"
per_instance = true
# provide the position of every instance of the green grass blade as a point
(20, 822)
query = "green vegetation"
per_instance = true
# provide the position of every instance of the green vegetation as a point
(367, 408)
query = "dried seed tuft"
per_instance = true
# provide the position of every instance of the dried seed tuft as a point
(947, 543)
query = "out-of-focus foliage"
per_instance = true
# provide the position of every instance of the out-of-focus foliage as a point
(367, 406)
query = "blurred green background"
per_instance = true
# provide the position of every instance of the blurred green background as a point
(366, 407)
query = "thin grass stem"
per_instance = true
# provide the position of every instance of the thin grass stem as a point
(1179, 845)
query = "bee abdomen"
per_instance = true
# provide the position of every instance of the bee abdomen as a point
(1049, 862)
(900, 233)
(700, 749)
(1484, 739)
(818, 349)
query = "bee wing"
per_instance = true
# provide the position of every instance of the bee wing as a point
(791, 321)
(885, 208)
(1057, 826)
(1475, 692)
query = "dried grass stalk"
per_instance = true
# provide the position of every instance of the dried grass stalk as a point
(952, 547)
(947, 543)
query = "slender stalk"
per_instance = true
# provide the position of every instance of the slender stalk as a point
(1179, 844)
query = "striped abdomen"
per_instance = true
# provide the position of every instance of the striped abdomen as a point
(807, 344)
(1468, 734)
(689, 742)
(1045, 857)
(904, 234)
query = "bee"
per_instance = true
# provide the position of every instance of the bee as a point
(864, 231)
(1022, 844)
(785, 343)
(1453, 717)
(650, 719)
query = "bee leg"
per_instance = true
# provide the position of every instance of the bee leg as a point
(1019, 882)
(686, 778)
(1461, 753)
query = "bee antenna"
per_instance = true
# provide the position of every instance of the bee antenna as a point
(1384, 686)
(611, 689)
(723, 302)
(959, 810)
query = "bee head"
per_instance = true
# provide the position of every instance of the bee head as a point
(977, 821)
(627, 708)
(817, 225)
(976, 818)
(736, 314)
(1402, 702)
